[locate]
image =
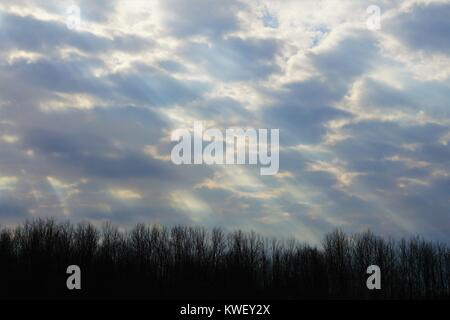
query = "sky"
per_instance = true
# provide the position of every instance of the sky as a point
(87, 110)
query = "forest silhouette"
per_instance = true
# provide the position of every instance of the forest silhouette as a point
(157, 262)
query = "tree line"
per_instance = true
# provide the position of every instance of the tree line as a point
(181, 262)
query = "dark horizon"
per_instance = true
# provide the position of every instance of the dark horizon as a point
(155, 262)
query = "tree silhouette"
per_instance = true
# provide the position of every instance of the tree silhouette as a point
(156, 262)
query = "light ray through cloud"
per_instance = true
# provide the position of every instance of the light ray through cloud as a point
(87, 108)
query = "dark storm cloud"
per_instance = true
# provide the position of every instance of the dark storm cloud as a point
(414, 96)
(391, 134)
(415, 206)
(141, 84)
(303, 111)
(172, 66)
(12, 209)
(94, 155)
(423, 27)
(349, 58)
(28, 33)
(377, 150)
(406, 179)
(58, 75)
(380, 95)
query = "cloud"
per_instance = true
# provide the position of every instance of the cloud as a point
(423, 27)
(364, 123)
(11, 210)
(348, 57)
(145, 84)
(30, 34)
(235, 59)
(200, 17)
